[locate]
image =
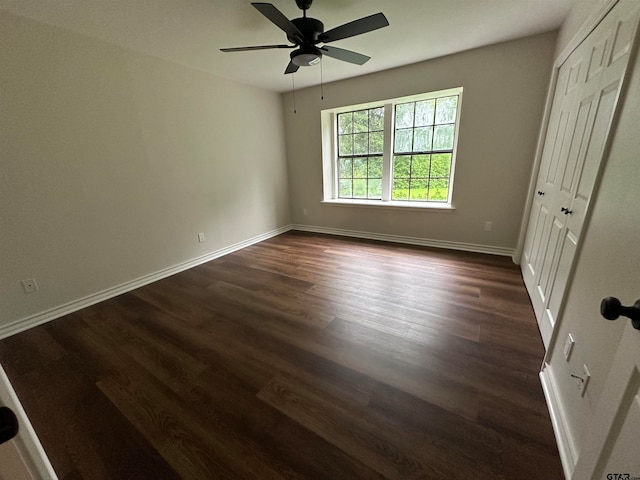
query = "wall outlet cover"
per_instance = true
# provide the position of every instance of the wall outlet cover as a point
(30, 285)
(585, 382)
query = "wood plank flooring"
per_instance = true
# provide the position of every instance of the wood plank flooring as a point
(304, 356)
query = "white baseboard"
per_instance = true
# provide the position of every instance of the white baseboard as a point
(566, 446)
(424, 242)
(59, 311)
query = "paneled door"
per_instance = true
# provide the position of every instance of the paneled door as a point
(587, 90)
(22, 457)
(611, 447)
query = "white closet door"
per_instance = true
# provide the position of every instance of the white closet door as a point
(587, 91)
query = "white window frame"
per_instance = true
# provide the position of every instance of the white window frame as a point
(330, 153)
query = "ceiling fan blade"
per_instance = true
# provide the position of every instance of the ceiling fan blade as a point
(357, 27)
(291, 68)
(278, 18)
(345, 55)
(259, 47)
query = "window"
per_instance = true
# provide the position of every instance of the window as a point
(424, 134)
(398, 152)
(360, 140)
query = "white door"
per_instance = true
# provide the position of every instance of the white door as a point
(586, 95)
(613, 445)
(21, 458)
(12, 465)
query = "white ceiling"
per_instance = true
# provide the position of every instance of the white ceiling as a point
(191, 32)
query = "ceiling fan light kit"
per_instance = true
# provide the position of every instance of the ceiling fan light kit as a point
(307, 33)
(306, 56)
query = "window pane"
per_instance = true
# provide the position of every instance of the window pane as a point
(403, 140)
(375, 188)
(439, 190)
(443, 137)
(422, 138)
(402, 166)
(345, 168)
(360, 143)
(400, 189)
(375, 167)
(375, 142)
(404, 115)
(441, 165)
(420, 166)
(419, 189)
(361, 121)
(360, 188)
(345, 145)
(345, 189)
(345, 124)
(424, 112)
(376, 119)
(359, 168)
(446, 110)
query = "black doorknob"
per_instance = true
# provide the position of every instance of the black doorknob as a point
(8, 424)
(611, 309)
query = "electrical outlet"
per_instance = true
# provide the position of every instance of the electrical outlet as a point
(568, 347)
(201, 237)
(304, 212)
(585, 380)
(30, 285)
(488, 226)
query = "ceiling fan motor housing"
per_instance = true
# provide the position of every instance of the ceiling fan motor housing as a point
(308, 54)
(310, 29)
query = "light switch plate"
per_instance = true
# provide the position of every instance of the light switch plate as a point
(568, 347)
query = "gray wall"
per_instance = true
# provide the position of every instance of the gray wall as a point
(111, 162)
(504, 94)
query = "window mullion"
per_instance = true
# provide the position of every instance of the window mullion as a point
(334, 147)
(387, 152)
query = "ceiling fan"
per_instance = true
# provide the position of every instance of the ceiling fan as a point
(308, 33)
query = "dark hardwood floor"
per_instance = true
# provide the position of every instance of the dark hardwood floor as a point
(304, 356)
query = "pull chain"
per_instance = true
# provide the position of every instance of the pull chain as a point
(321, 83)
(293, 90)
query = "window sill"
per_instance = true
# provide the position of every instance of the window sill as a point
(432, 207)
